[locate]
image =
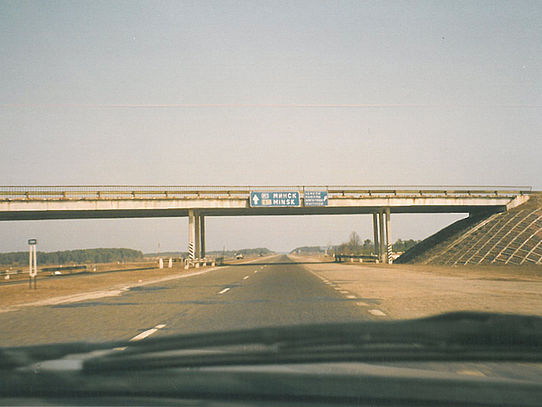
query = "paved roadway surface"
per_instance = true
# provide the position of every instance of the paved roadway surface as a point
(273, 291)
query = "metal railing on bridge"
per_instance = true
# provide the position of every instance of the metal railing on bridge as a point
(78, 192)
(362, 258)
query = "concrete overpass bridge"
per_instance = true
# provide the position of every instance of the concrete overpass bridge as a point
(197, 202)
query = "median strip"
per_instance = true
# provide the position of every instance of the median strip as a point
(85, 287)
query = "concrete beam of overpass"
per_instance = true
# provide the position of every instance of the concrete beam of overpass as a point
(36, 209)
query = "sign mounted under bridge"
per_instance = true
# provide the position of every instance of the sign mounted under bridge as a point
(274, 199)
(315, 198)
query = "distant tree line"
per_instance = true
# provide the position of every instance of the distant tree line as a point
(308, 249)
(366, 247)
(404, 245)
(73, 256)
(215, 253)
(245, 252)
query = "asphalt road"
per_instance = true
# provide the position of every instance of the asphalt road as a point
(271, 292)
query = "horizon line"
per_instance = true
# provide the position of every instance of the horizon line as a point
(263, 105)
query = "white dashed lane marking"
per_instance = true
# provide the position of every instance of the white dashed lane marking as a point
(147, 333)
(377, 312)
(470, 372)
(245, 277)
(225, 290)
(350, 296)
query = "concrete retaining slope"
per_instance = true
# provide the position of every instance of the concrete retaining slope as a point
(512, 237)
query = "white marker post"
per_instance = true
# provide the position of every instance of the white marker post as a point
(170, 263)
(161, 263)
(32, 262)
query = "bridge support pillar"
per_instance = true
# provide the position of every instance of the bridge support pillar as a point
(194, 235)
(388, 237)
(202, 236)
(375, 234)
(197, 241)
(381, 240)
(191, 235)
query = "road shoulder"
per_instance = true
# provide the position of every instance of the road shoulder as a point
(411, 292)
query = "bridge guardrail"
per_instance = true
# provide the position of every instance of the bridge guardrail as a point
(76, 192)
(190, 263)
(339, 258)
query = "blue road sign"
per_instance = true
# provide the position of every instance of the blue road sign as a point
(315, 198)
(274, 199)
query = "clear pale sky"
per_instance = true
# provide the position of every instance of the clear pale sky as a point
(125, 92)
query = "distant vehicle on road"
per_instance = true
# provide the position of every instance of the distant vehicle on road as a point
(239, 255)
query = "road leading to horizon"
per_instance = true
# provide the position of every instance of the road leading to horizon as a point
(270, 292)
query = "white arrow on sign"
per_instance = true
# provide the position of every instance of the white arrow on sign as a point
(255, 199)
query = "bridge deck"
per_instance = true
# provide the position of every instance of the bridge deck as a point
(72, 202)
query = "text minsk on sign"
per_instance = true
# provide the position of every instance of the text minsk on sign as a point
(274, 198)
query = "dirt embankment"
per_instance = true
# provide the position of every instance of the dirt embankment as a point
(512, 237)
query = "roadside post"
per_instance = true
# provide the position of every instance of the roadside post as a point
(32, 262)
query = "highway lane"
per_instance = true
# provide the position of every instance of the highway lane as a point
(276, 291)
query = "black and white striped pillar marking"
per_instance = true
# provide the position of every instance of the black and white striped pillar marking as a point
(390, 259)
(191, 251)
